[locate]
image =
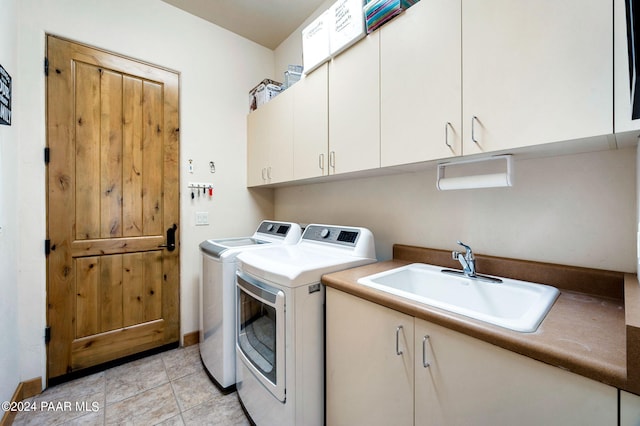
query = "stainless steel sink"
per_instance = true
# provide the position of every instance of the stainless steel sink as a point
(513, 304)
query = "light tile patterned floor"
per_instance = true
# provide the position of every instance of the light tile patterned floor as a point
(170, 388)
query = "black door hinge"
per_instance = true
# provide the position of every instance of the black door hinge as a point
(47, 334)
(46, 66)
(47, 155)
(47, 247)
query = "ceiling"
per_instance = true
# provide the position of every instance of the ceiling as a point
(266, 22)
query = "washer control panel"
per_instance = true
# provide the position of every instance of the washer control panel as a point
(332, 235)
(274, 228)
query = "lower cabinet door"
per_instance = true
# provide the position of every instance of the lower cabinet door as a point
(470, 382)
(369, 363)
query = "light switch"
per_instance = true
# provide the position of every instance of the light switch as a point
(202, 218)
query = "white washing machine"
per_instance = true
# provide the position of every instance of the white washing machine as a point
(217, 295)
(280, 323)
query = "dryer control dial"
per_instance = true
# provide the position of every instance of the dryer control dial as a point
(325, 233)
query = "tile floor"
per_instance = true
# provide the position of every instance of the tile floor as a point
(170, 388)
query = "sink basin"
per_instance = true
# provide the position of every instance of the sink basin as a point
(513, 304)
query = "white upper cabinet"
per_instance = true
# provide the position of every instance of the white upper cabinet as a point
(354, 107)
(311, 125)
(535, 72)
(420, 84)
(622, 82)
(447, 78)
(270, 142)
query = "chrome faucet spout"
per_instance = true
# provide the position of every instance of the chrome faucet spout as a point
(467, 260)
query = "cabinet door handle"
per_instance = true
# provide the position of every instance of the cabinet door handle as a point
(446, 135)
(321, 162)
(269, 172)
(473, 129)
(425, 363)
(398, 351)
(332, 160)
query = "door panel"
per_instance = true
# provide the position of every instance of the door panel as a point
(113, 177)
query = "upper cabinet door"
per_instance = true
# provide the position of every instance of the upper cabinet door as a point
(535, 72)
(270, 142)
(420, 84)
(354, 107)
(280, 139)
(257, 148)
(311, 125)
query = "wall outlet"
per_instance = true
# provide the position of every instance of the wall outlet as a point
(202, 218)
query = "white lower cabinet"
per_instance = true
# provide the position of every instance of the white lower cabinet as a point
(455, 379)
(629, 409)
(468, 381)
(368, 383)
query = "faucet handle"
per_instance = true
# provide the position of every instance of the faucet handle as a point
(469, 254)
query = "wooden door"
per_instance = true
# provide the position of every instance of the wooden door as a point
(112, 194)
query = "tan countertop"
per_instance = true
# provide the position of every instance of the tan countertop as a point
(585, 332)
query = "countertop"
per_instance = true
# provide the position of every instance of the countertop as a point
(588, 331)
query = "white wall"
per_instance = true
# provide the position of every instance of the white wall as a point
(573, 209)
(217, 70)
(9, 336)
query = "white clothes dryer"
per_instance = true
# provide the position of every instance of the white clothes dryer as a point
(280, 323)
(217, 295)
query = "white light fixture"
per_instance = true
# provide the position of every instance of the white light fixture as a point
(484, 180)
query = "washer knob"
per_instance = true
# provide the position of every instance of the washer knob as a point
(324, 233)
(270, 227)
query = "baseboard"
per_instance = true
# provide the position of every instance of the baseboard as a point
(192, 338)
(25, 390)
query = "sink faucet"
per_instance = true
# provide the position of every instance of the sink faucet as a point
(467, 260)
